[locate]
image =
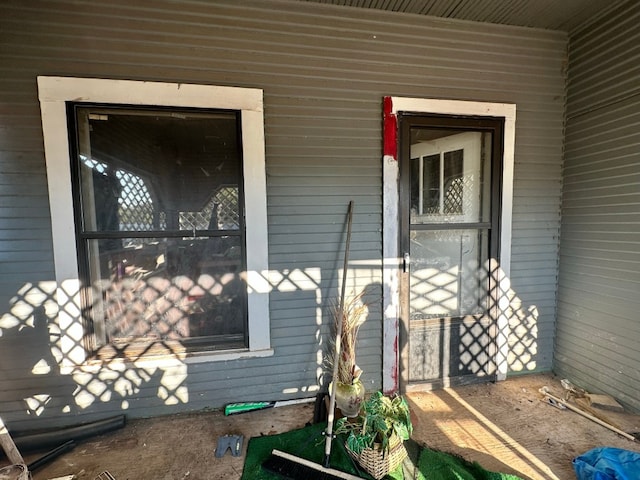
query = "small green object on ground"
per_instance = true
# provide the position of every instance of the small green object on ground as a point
(308, 443)
(235, 408)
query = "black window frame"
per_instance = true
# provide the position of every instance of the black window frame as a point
(194, 344)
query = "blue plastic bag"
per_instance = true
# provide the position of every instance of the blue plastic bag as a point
(607, 463)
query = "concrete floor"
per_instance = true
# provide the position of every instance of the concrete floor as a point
(503, 426)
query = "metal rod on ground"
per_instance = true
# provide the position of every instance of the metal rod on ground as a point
(562, 402)
(52, 455)
(338, 340)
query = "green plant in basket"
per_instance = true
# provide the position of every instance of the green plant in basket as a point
(380, 417)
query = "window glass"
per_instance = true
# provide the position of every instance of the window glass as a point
(162, 235)
(449, 175)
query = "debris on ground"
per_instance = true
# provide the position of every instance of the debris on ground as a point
(229, 442)
(579, 401)
(105, 476)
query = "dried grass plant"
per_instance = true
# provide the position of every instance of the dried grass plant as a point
(353, 316)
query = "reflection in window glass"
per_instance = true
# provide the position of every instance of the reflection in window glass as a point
(448, 176)
(437, 184)
(453, 183)
(431, 184)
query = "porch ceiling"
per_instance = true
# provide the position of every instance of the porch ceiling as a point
(565, 15)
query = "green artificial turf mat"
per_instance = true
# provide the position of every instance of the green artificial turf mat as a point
(308, 443)
(436, 465)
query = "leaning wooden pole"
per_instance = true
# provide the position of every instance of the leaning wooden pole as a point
(338, 341)
(10, 449)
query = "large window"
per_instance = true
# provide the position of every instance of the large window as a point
(168, 246)
(160, 226)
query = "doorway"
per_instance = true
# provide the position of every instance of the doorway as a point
(450, 185)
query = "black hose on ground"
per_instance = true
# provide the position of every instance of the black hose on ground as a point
(49, 438)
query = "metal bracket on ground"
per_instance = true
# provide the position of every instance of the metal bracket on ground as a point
(233, 442)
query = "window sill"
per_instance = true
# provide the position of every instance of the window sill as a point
(223, 356)
(159, 361)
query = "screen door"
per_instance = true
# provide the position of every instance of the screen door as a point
(450, 200)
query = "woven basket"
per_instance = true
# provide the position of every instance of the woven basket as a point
(379, 463)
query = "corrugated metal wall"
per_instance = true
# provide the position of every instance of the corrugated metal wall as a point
(324, 71)
(566, 15)
(599, 291)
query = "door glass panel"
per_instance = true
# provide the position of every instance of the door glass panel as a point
(448, 274)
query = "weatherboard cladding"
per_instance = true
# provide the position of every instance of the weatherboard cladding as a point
(599, 286)
(324, 72)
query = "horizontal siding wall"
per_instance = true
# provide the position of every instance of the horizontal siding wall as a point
(324, 71)
(599, 295)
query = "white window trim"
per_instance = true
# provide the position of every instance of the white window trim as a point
(54, 92)
(391, 232)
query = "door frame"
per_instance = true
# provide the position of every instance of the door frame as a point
(392, 261)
